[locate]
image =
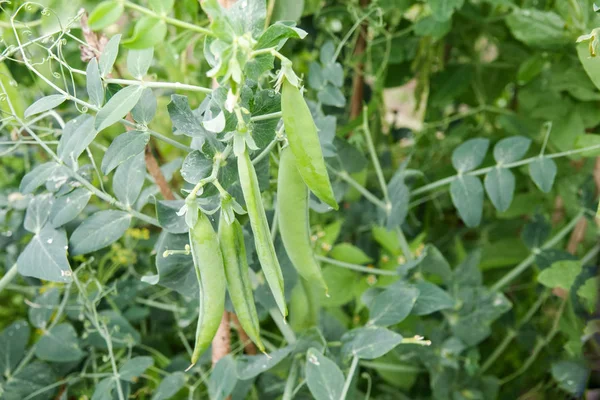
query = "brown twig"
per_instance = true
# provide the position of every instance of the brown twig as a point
(358, 82)
(221, 344)
(249, 347)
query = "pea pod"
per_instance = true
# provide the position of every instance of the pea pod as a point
(292, 212)
(208, 263)
(304, 141)
(231, 239)
(304, 306)
(260, 228)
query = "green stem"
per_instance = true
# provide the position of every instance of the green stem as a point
(160, 85)
(291, 381)
(283, 326)
(518, 270)
(375, 160)
(483, 171)
(343, 175)
(8, 277)
(356, 267)
(168, 20)
(351, 372)
(391, 367)
(265, 117)
(404, 245)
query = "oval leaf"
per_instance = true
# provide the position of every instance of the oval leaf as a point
(118, 106)
(45, 257)
(500, 187)
(125, 146)
(511, 149)
(105, 14)
(67, 207)
(470, 154)
(45, 104)
(148, 32)
(543, 172)
(467, 197)
(323, 377)
(98, 231)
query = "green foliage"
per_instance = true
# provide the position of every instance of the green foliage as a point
(146, 191)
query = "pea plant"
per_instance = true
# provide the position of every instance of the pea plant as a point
(261, 199)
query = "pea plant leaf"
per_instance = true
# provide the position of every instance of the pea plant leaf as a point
(431, 298)
(95, 88)
(13, 341)
(98, 231)
(45, 257)
(147, 32)
(145, 109)
(139, 61)
(45, 104)
(124, 147)
(37, 177)
(561, 274)
(470, 154)
(467, 197)
(392, 305)
(543, 173)
(166, 213)
(69, 206)
(248, 367)
(135, 367)
(369, 342)
(511, 149)
(169, 386)
(117, 107)
(43, 306)
(105, 14)
(59, 344)
(323, 377)
(223, 378)
(38, 212)
(500, 187)
(183, 119)
(32, 378)
(109, 56)
(129, 179)
(76, 137)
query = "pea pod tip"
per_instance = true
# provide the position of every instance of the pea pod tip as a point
(190, 367)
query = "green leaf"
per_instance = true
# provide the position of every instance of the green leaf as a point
(265, 102)
(31, 378)
(129, 179)
(277, 34)
(467, 273)
(428, 26)
(591, 63)
(59, 344)
(45, 104)
(571, 376)
(122, 332)
(94, 85)
(184, 121)
(77, 135)
(467, 197)
(139, 61)
(166, 213)
(588, 293)
(249, 367)
(543, 172)
(122, 148)
(37, 177)
(118, 106)
(331, 96)
(435, 263)
(147, 32)
(222, 379)
(399, 195)
(442, 10)
(37, 213)
(288, 10)
(369, 342)
(561, 274)
(105, 14)
(323, 377)
(538, 28)
(169, 386)
(67, 207)
(104, 389)
(13, 341)
(500, 187)
(135, 367)
(349, 253)
(145, 109)
(511, 149)
(175, 271)
(589, 140)
(98, 231)
(45, 257)
(42, 307)
(431, 298)
(162, 6)
(341, 283)
(392, 305)
(109, 56)
(470, 154)
(196, 166)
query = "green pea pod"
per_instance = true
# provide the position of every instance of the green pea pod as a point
(304, 141)
(304, 306)
(292, 212)
(208, 263)
(231, 238)
(260, 228)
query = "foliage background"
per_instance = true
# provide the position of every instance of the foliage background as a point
(431, 75)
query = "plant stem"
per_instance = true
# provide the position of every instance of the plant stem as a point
(404, 245)
(265, 117)
(356, 267)
(518, 270)
(168, 20)
(8, 277)
(283, 326)
(351, 372)
(391, 367)
(483, 171)
(291, 380)
(375, 160)
(343, 175)
(160, 85)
